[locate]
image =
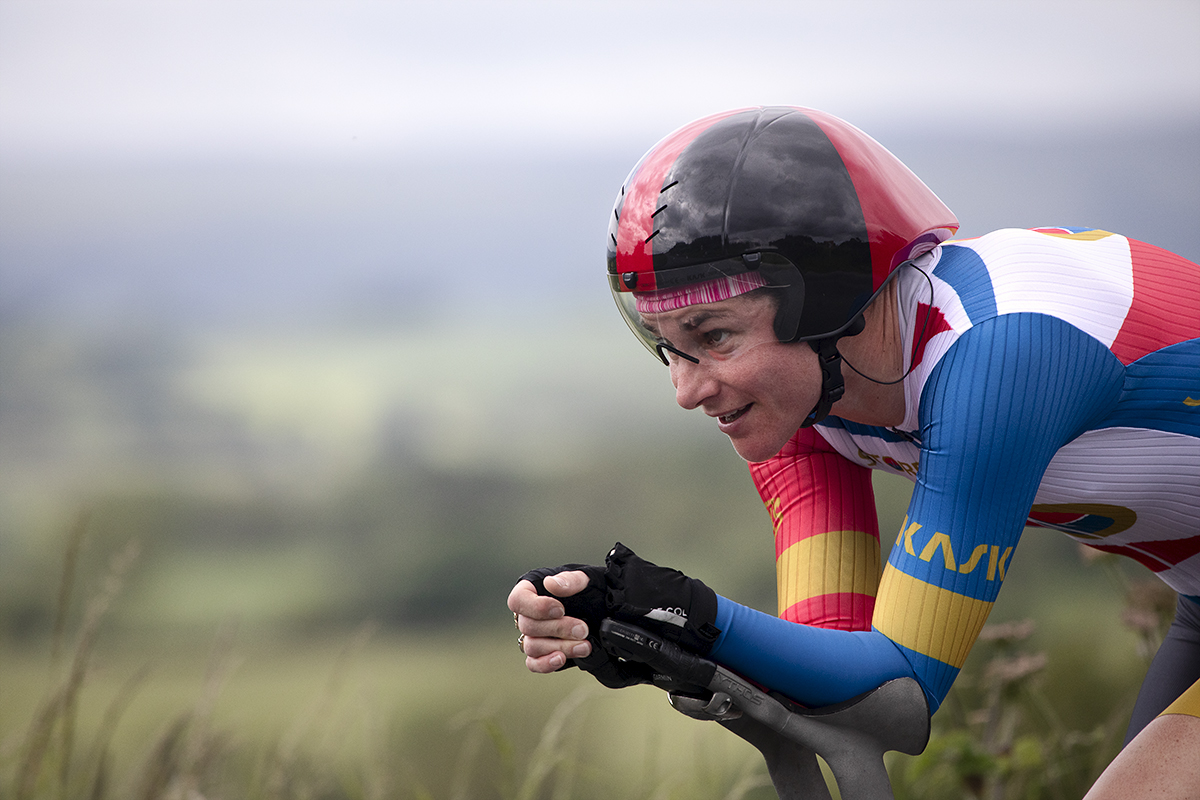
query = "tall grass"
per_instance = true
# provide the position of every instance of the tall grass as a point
(999, 735)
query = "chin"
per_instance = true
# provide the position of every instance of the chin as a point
(756, 451)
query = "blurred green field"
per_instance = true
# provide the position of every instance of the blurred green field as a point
(313, 604)
(448, 711)
(375, 715)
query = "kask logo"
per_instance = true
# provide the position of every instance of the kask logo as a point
(939, 544)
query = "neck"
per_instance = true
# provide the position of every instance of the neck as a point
(877, 352)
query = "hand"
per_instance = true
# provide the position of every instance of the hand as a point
(666, 602)
(551, 637)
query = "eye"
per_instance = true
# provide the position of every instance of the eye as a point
(716, 337)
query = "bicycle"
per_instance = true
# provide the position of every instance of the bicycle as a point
(851, 737)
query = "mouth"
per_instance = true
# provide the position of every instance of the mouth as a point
(733, 416)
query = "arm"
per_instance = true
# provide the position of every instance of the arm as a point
(997, 407)
(826, 533)
(1161, 760)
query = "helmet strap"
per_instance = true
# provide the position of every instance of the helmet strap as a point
(833, 385)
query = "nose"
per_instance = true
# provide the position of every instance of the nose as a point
(694, 383)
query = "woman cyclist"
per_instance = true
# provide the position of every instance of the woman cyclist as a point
(801, 286)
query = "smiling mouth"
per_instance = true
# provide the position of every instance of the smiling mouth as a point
(733, 415)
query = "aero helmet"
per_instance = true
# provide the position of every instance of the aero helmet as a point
(782, 197)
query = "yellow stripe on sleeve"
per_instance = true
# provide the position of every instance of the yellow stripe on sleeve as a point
(828, 563)
(1187, 703)
(933, 621)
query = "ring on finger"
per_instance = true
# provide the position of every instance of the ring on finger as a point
(521, 642)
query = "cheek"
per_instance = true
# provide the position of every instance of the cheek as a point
(793, 375)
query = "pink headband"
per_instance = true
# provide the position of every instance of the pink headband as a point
(712, 291)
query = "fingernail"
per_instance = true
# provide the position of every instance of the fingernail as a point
(580, 650)
(557, 660)
(579, 631)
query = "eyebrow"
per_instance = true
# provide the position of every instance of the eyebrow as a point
(695, 321)
(690, 323)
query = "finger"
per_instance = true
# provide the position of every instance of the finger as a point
(565, 584)
(546, 664)
(546, 654)
(567, 628)
(540, 616)
(524, 601)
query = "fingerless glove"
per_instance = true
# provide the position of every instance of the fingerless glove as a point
(590, 606)
(666, 602)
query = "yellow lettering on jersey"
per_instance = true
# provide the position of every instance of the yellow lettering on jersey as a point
(775, 509)
(906, 534)
(996, 564)
(872, 460)
(1003, 560)
(973, 561)
(940, 540)
(997, 559)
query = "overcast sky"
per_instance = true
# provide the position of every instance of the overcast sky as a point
(235, 165)
(252, 77)
(186, 157)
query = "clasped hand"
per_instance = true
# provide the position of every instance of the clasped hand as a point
(558, 612)
(551, 637)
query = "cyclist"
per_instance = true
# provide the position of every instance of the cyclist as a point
(1047, 376)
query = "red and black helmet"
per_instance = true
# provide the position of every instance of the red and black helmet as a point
(789, 197)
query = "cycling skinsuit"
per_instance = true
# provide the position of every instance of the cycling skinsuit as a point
(1188, 703)
(1055, 378)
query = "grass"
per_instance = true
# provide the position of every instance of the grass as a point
(89, 712)
(249, 712)
(381, 715)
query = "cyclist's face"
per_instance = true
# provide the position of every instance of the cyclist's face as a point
(757, 389)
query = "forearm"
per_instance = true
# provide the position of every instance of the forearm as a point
(826, 533)
(813, 666)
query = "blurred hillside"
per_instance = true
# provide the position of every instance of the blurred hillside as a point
(322, 393)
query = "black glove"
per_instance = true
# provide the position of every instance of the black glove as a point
(664, 601)
(590, 606)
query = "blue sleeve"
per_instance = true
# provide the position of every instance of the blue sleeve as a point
(813, 666)
(1004, 399)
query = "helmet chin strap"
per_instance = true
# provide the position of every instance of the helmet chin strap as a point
(833, 385)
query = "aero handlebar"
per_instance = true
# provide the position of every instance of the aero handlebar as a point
(851, 737)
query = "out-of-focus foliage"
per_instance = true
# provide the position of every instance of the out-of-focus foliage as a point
(95, 713)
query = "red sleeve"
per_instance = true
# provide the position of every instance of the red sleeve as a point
(826, 533)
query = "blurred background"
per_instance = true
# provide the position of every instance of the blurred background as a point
(305, 300)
